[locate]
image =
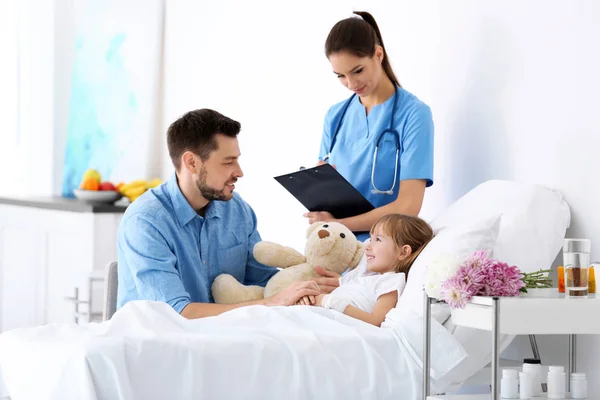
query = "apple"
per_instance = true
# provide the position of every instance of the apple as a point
(106, 186)
(92, 174)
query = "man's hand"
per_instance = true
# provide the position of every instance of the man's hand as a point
(315, 216)
(293, 293)
(328, 281)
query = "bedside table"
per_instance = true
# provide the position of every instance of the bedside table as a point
(541, 312)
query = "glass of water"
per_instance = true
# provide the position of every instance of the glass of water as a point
(576, 261)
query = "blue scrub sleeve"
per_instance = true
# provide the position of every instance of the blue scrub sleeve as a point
(416, 161)
(256, 273)
(151, 263)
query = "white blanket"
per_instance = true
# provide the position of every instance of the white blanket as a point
(147, 351)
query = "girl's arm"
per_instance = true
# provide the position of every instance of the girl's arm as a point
(384, 304)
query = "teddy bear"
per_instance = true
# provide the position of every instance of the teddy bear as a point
(329, 245)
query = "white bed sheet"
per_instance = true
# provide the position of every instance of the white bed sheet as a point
(147, 351)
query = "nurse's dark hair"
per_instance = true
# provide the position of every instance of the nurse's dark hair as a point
(405, 230)
(195, 131)
(358, 36)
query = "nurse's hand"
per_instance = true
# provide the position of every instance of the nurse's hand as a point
(328, 280)
(321, 162)
(315, 216)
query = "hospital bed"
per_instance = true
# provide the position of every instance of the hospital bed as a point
(148, 351)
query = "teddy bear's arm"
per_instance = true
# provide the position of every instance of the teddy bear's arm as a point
(276, 255)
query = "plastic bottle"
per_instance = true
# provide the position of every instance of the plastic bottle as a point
(534, 367)
(509, 385)
(525, 385)
(578, 385)
(592, 279)
(556, 382)
(561, 279)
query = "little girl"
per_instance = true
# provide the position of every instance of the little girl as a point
(396, 241)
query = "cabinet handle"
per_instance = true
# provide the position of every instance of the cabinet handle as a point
(76, 302)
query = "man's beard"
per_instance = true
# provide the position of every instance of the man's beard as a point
(210, 193)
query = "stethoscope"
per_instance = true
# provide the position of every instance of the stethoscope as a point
(388, 130)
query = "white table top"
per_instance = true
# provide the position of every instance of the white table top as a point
(542, 311)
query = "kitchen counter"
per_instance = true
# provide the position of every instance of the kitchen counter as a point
(64, 204)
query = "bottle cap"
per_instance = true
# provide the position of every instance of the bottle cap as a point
(556, 368)
(509, 373)
(531, 361)
(578, 375)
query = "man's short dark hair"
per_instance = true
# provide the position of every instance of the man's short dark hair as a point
(195, 131)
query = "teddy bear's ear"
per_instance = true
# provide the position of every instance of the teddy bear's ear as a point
(360, 250)
(312, 227)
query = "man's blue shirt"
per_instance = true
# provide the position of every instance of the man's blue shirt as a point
(167, 252)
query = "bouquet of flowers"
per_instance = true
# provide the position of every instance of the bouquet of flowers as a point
(455, 282)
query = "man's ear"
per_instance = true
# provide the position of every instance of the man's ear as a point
(189, 162)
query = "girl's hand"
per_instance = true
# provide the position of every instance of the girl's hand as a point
(306, 301)
(315, 216)
(319, 300)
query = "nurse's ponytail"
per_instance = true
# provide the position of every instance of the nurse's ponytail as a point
(359, 36)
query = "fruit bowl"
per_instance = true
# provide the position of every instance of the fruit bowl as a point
(97, 196)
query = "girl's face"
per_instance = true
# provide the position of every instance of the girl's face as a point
(359, 74)
(382, 253)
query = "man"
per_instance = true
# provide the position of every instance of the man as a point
(175, 239)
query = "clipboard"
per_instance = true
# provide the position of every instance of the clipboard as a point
(322, 188)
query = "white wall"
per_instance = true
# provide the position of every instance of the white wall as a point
(513, 87)
(36, 44)
(9, 139)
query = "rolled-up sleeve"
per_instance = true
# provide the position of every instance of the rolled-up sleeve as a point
(147, 265)
(256, 273)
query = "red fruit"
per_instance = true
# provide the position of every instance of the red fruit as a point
(106, 186)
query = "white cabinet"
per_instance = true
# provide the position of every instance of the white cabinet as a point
(49, 254)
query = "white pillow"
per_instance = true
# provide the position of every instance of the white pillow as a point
(459, 239)
(533, 226)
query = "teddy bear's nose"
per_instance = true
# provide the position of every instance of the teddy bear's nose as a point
(323, 234)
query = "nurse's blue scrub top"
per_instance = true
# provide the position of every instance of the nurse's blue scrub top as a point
(352, 153)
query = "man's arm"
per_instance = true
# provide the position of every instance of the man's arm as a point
(287, 297)
(147, 264)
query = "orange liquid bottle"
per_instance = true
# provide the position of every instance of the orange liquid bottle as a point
(561, 279)
(591, 280)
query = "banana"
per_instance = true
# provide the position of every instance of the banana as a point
(132, 185)
(134, 192)
(154, 183)
(135, 189)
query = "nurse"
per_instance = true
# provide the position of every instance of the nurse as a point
(381, 138)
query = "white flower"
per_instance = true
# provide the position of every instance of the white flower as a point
(441, 267)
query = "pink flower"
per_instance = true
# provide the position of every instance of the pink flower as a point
(479, 275)
(455, 292)
(473, 278)
(479, 259)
